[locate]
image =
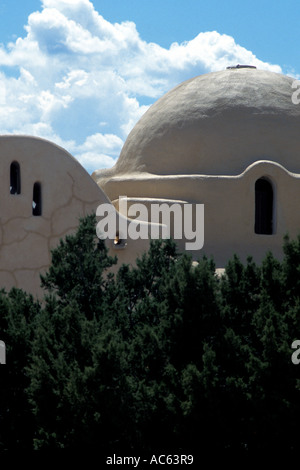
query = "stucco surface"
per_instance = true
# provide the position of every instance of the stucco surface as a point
(68, 192)
(205, 142)
(215, 124)
(208, 141)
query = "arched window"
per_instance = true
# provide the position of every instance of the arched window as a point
(37, 199)
(15, 178)
(263, 207)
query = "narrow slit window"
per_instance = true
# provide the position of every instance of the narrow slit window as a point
(263, 207)
(15, 178)
(37, 199)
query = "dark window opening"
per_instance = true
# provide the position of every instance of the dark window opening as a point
(263, 207)
(15, 178)
(37, 199)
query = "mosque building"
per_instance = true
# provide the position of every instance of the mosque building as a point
(228, 140)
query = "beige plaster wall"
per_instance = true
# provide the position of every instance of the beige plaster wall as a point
(68, 192)
(229, 206)
(207, 141)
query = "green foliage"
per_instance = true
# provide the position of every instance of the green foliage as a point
(164, 356)
(78, 266)
(17, 316)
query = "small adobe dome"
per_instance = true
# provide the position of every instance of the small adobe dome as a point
(44, 191)
(215, 124)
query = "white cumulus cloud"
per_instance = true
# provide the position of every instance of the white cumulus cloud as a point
(83, 82)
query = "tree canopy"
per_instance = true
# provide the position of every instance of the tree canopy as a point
(163, 356)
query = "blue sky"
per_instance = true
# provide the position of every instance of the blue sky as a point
(81, 73)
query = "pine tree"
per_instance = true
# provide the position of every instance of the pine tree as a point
(18, 312)
(164, 356)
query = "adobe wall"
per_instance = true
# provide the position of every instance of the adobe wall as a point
(67, 193)
(229, 207)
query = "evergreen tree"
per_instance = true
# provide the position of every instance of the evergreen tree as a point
(17, 317)
(164, 356)
(79, 265)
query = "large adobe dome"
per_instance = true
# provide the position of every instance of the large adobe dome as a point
(215, 124)
(229, 140)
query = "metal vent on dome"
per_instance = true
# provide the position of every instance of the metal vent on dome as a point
(238, 66)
